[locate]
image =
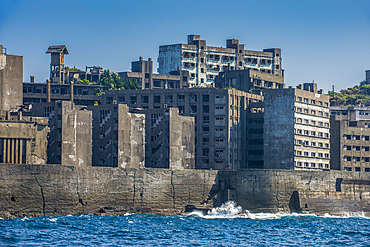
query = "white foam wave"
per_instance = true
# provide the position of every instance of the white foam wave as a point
(53, 219)
(231, 210)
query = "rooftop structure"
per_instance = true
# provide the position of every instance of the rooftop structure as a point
(142, 72)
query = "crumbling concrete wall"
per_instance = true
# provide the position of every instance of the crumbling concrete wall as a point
(317, 192)
(37, 190)
(182, 144)
(23, 140)
(11, 81)
(131, 138)
(76, 135)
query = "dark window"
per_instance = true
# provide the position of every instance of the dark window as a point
(133, 99)
(206, 109)
(146, 75)
(144, 99)
(358, 169)
(157, 99)
(205, 98)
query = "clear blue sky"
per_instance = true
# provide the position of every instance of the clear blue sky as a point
(322, 40)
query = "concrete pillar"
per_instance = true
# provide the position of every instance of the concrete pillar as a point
(21, 151)
(28, 151)
(49, 91)
(8, 151)
(4, 151)
(71, 92)
(16, 153)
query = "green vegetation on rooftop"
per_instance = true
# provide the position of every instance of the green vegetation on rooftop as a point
(351, 96)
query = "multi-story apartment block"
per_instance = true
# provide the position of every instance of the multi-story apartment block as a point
(248, 80)
(169, 138)
(142, 72)
(220, 120)
(350, 138)
(118, 137)
(137, 138)
(205, 62)
(296, 128)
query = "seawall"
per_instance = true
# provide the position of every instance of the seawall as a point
(37, 190)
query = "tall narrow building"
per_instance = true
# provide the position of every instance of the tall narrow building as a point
(296, 128)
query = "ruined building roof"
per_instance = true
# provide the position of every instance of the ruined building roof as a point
(57, 49)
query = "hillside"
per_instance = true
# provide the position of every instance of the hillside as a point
(359, 94)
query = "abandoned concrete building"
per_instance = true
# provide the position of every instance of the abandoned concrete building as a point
(52, 92)
(169, 138)
(248, 80)
(296, 128)
(138, 138)
(220, 115)
(350, 138)
(118, 137)
(142, 72)
(69, 140)
(11, 77)
(205, 62)
(23, 140)
(63, 82)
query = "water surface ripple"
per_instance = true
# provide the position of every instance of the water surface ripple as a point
(225, 227)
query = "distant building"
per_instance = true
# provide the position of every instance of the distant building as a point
(205, 62)
(11, 77)
(350, 138)
(142, 72)
(248, 80)
(296, 128)
(221, 121)
(23, 140)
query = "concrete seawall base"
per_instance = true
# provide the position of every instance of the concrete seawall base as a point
(37, 190)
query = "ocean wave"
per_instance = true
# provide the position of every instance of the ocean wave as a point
(231, 210)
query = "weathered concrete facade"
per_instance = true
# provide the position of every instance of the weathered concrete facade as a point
(142, 72)
(131, 138)
(169, 139)
(205, 62)
(69, 141)
(296, 128)
(37, 190)
(23, 140)
(11, 77)
(38, 93)
(220, 119)
(350, 143)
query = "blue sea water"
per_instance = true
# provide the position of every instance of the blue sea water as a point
(224, 226)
